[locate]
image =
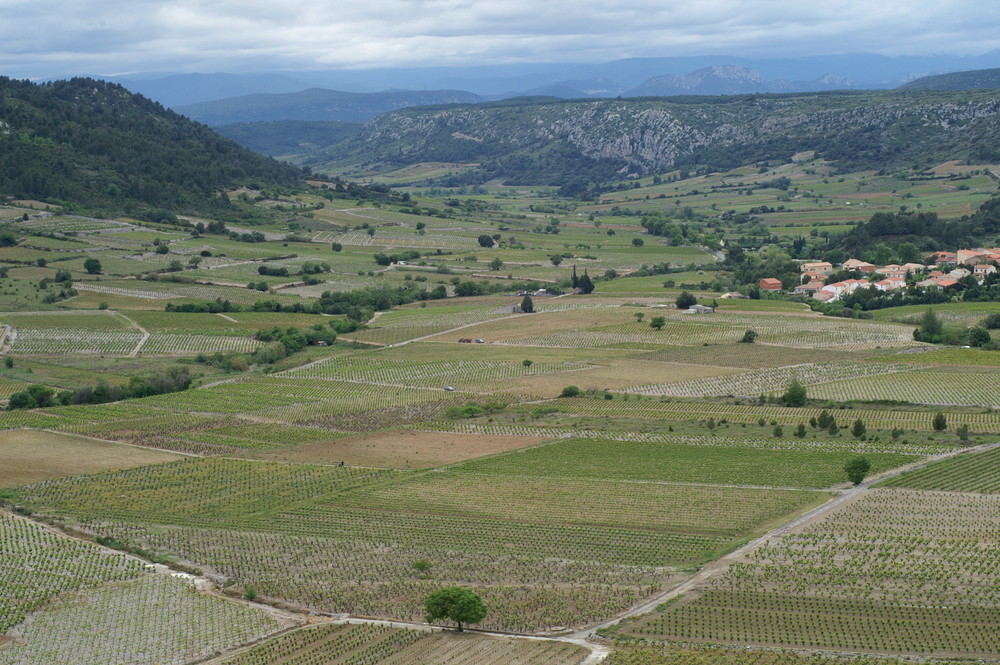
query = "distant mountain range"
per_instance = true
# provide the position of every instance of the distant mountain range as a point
(730, 80)
(317, 104)
(620, 77)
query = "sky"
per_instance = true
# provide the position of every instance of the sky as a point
(41, 38)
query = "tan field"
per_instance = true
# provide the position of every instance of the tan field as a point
(28, 456)
(405, 449)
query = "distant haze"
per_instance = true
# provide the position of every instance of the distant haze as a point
(54, 38)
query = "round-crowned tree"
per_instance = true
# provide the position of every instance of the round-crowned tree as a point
(857, 468)
(459, 604)
(93, 266)
(685, 300)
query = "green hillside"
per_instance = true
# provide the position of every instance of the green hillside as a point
(96, 145)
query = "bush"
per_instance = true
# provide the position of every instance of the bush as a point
(570, 391)
(795, 394)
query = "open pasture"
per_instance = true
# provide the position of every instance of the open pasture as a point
(28, 456)
(894, 571)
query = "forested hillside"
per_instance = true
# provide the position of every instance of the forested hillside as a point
(94, 144)
(535, 141)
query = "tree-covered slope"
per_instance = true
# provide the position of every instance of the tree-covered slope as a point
(286, 138)
(547, 141)
(96, 145)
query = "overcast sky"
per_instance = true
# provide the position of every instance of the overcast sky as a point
(60, 37)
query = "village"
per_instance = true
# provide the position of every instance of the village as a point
(947, 270)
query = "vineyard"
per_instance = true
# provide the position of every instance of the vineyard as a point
(581, 547)
(374, 369)
(155, 620)
(37, 564)
(336, 644)
(979, 472)
(896, 571)
(680, 463)
(988, 421)
(794, 332)
(775, 380)
(924, 387)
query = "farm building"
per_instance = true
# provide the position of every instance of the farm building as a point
(822, 267)
(770, 284)
(860, 266)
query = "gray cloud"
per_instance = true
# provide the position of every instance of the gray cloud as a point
(48, 37)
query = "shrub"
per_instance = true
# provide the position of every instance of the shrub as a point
(795, 394)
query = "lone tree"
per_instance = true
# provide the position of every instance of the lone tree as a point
(858, 429)
(456, 603)
(527, 306)
(93, 266)
(931, 328)
(749, 336)
(795, 394)
(657, 322)
(857, 468)
(585, 284)
(685, 300)
(939, 423)
(486, 240)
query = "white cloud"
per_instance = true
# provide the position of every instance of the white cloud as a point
(43, 37)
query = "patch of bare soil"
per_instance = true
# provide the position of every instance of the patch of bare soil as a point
(400, 449)
(28, 456)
